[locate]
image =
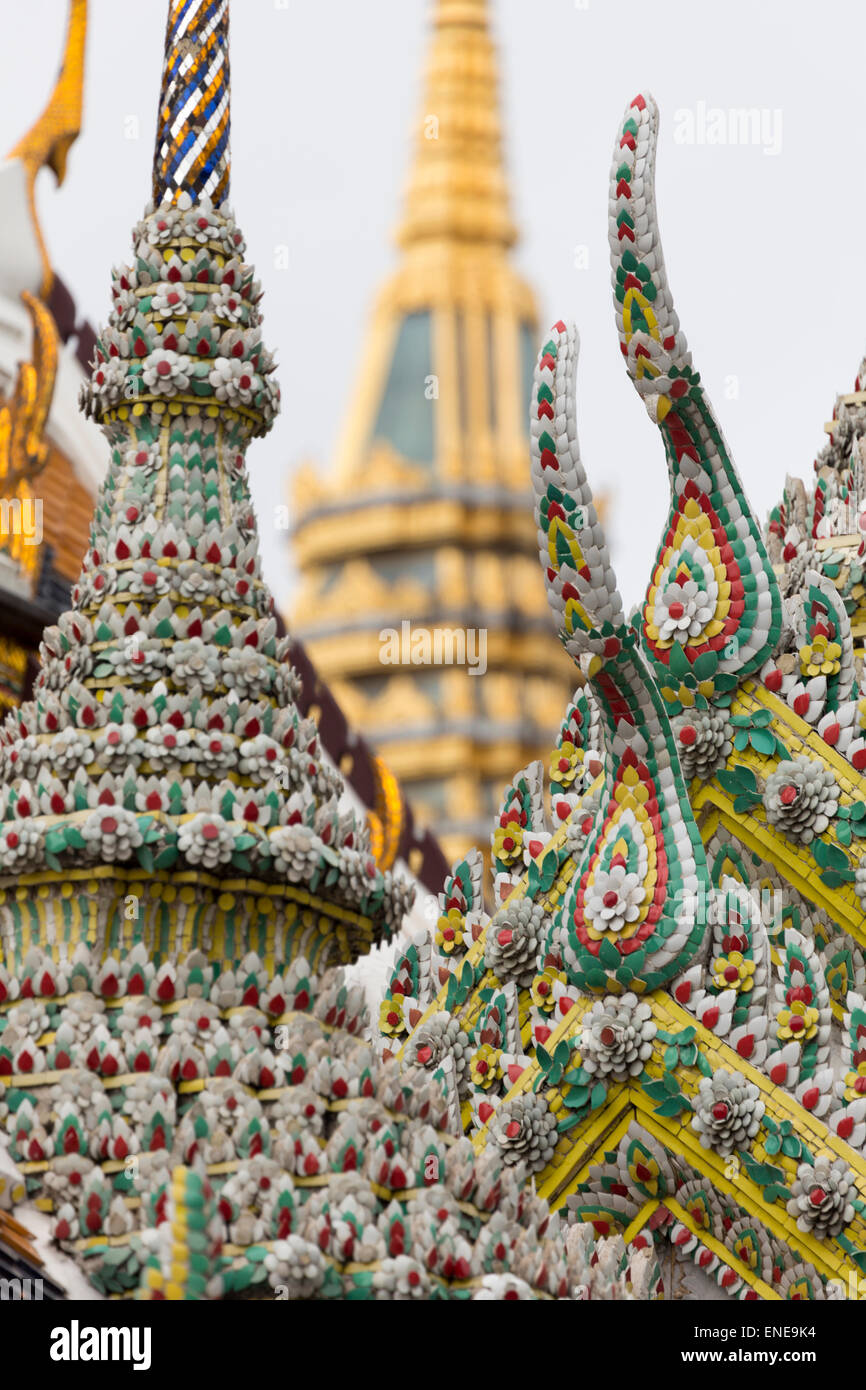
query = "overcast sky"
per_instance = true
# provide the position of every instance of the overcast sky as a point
(763, 241)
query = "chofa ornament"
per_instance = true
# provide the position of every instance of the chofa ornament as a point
(698, 990)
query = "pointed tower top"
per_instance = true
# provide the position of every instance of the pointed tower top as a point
(193, 122)
(457, 188)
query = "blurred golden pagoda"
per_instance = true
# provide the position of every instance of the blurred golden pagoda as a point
(422, 539)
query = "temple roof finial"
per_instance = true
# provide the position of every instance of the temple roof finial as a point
(645, 811)
(48, 140)
(194, 121)
(712, 613)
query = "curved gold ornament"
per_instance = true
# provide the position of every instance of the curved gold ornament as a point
(49, 139)
(23, 448)
(386, 820)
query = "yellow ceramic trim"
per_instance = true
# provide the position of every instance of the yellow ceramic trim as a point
(724, 1254)
(641, 1219)
(795, 862)
(774, 1218)
(606, 1131)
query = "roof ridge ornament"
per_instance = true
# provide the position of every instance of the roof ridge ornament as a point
(48, 141)
(712, 613)
(639, 904)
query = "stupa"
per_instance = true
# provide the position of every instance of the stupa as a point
(52, 462)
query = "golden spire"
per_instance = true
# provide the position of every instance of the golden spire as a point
(48, 140)
(457, 187)
(428, 509)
